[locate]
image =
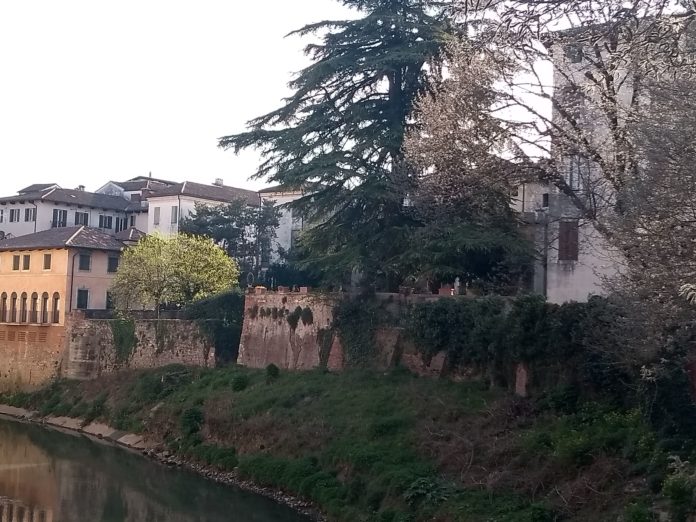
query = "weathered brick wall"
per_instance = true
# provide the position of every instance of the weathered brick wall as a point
(269, 334)
(30, 355)
(92, 349)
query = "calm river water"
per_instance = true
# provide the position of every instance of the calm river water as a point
(46, 476)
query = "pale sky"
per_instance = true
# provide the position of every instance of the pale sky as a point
(93, 90)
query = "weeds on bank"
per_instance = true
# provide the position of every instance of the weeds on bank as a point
(351, 442)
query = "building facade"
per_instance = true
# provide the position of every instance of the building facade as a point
(168, 207)
(576, 259)
(291, 223)
(37, 209)
(46, 275)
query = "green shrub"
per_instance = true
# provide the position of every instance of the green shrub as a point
(191, 420)
(48, 406)
(240, 382)
(638, 512)
(224, 459)
(272, 372)
(80, 409)
(427, 490)
(97, 409)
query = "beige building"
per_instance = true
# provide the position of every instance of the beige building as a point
(45, 275)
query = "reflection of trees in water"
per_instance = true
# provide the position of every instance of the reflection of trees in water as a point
(95, 482)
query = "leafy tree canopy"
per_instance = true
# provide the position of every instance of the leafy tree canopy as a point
(340, 133)
(246, 233)
(176, 270)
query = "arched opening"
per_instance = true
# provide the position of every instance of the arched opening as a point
(13, 307)
(3, 307)
(34, 308)
(56, 308)
(44, 307)
(23, 308)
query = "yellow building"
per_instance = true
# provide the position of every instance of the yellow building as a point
(46, 275)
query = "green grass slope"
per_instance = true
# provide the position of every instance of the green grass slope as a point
(387, 447)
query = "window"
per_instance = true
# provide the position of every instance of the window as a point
(13, 307)
(47, 261)
(578, 172)
(106, 222)
(34, 310)
(120, 224)
(60, 218)
(56, 308)
(113, 265)
(2, 216)
(574, 52)
(82, 299)
(132, 221)
(109, 301)
(15, 262)
(44, 308)
(26, 261)
(14, 215)
(30, 214)
(156, 215)
(82, 218)
(23, 308)
(568, 240)
(545, 200)
(85, 262)
(175, 215)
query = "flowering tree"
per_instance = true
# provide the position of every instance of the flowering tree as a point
(176, 270)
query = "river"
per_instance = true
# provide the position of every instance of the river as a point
(47, 476)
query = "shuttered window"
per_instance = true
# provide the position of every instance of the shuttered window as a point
(568, 240)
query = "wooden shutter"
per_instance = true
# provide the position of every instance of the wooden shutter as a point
(568, 241)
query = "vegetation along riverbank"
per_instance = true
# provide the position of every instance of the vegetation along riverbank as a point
(368, 446)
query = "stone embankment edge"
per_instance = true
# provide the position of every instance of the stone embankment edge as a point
(154, 451)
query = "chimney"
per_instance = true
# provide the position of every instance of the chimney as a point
(218, 182)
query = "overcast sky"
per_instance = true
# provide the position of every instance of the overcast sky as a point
(93, 90)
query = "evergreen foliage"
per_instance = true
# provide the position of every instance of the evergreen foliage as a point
(246, 233)
(493, 334)
(339, 135)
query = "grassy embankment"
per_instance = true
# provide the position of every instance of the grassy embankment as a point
(384, 447)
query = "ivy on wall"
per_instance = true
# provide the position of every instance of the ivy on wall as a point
(493, 334)
(355, 321)
(221, 317)
(125, 340)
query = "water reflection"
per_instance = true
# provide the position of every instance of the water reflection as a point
(47, 476)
